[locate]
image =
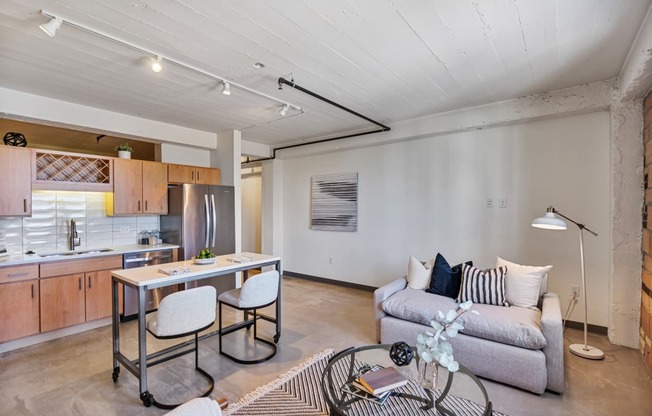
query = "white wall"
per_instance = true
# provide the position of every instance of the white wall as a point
(184, 155)
(429, 195)
(251, 211)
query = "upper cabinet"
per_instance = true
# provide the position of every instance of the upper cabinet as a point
(16, 182)
(193, 174)
(65, 171)
(139, 187)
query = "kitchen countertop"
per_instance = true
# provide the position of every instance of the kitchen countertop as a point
(21, 259)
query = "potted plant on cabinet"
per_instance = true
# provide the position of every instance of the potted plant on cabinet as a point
(124, 151)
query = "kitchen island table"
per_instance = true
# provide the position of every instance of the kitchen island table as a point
(145, 278)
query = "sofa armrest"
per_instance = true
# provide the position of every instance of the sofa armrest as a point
(553, 330)
(380, 295)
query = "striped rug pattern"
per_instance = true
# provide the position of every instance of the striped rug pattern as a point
(298, 392)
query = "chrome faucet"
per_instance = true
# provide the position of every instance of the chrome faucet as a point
(74, 240)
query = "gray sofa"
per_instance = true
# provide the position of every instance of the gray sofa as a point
(517, 346)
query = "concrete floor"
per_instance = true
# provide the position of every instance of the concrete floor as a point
(72, 375)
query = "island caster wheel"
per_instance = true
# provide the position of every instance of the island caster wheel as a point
(147, 398)
(116, 374)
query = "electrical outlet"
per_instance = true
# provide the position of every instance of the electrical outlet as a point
(330, 260)
(575, 291)
(502, 202)
(490, 203)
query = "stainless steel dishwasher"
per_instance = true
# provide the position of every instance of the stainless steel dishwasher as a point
(154, 296)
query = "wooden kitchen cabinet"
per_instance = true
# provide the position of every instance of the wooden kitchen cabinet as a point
(76, 291)
(98, 295)
(62, 302)
(16, 184)
(19, 309)
(193, 174)
(139, 187)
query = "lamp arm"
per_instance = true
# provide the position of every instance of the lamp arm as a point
(580, 225)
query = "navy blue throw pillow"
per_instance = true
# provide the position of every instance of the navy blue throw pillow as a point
(446, 280)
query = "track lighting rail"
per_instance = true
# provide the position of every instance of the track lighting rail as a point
(162, 58)
(282, 81)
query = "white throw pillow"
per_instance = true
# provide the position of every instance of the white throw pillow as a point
(524, 284)
(418, 276)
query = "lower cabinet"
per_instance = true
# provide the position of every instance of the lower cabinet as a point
(62, 302)
(74, 299)
(19, 309)
(98, 295)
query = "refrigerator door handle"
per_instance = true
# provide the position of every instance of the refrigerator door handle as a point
(208, 220)
(214, 218)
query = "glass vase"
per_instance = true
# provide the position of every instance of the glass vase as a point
(428, 373)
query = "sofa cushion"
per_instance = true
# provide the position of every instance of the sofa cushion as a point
(483, 286)
(446, 280)
(524, 285)
(516, 326)
(418, 275)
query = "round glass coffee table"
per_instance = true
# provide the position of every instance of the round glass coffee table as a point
(458, 393)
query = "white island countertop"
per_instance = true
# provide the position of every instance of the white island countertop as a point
(151, 276)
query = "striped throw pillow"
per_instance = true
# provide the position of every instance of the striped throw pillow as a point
(480, 286)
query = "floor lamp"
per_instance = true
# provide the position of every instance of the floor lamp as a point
(550, 222)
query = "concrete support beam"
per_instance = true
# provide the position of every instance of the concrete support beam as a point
(636, 74)
(256, 150)
(272, 221)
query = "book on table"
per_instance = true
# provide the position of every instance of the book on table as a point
(381, 381)
(357, 390)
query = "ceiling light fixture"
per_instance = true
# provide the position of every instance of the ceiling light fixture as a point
(226, 88)
(284, 110)
(157, 66)
(169, 60)
(52, 26)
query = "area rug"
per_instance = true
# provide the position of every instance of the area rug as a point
(298, 393)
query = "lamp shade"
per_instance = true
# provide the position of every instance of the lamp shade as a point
(549, 222)
(52, 26)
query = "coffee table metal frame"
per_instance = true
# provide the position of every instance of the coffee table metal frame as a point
(339, 402)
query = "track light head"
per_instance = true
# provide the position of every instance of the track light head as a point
(284, 111)
(52, 26)
(226, 88)
(157, 66)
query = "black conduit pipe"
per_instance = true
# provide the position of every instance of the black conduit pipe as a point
(282, 81)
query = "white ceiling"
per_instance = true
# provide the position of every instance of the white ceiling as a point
(390, 60)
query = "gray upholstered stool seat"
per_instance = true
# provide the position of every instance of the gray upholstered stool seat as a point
(257, 292)
(181, 314)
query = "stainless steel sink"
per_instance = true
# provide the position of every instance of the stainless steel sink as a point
(76, 253)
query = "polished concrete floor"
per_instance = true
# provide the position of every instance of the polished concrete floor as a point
(72, 375)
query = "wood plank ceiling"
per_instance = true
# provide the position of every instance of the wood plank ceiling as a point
(390, 60)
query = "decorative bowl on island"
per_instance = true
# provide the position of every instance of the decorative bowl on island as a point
(204, 261)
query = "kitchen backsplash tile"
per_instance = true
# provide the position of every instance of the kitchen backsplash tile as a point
(48, 228)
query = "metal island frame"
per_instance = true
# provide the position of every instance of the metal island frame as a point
(145, 278)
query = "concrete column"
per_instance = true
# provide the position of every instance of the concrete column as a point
(626, 204)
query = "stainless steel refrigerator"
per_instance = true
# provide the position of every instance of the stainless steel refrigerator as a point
(201, 216)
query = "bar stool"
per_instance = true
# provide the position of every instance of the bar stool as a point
(257, 292)
(181, 314)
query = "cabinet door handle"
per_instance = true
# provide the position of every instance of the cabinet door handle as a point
(80, 284)
(90, 282)
(32, 290)
(24, 205)
(193, 175)
(197, 175)
(145, 206)
(139, 205)
(17, 274)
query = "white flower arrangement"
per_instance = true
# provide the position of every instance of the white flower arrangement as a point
(435, 347)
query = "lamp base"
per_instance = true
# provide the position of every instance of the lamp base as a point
(590, 352)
